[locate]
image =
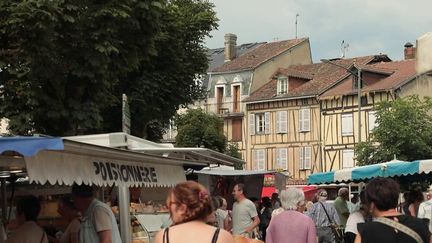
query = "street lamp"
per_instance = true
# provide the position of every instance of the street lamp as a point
(359, 81)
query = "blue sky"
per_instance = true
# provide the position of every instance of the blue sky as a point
(368, 26)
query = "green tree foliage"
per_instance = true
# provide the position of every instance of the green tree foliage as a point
(167, 80)
(59, 59)
(64, 64)
(233, 151)
(196, 128)
(404, 131)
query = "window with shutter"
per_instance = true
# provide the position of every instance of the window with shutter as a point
(252, 124)
(277, 159)
(277, 121)
(372, 120)
(259, 159)
(301, 158)
(347, 124)
(236, 132)
(267, 124)
(305, 158)
(235, 89)
(259, 123)
(282, 121)
(282, 158)
(220, 93)
(254, 160)
(304, 120)
(282, 85)
(308, 158)
(348, 158)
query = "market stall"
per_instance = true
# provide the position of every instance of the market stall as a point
(418, 170)
(61, 161)
(221, 182)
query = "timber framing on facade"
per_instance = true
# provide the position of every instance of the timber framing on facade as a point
(312, 125)
(383, 81)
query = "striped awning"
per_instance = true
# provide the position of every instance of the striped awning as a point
(394, 168)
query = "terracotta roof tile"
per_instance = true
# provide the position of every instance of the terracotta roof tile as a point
(258, 56)
(373, 68)
(395, 73)
(321, 75)
(403, 71)
(298, 74)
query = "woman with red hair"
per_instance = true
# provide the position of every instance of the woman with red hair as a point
(189, 204)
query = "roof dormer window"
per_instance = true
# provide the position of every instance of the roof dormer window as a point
(282, 85)
(355, 80)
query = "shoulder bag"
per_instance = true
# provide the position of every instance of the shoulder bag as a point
(402, 228)
(337, 231)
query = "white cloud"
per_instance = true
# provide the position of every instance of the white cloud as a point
(369, 26)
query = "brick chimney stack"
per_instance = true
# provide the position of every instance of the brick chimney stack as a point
(230, 47)
(409, 51)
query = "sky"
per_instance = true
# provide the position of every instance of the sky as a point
(368, 27)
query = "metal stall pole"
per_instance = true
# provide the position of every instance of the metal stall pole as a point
(349, 191)
(4, 201)
(125, 222)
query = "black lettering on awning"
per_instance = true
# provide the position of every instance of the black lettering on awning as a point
(127, 173)
(97, 169)
(124, 173)
(103, 171)
(115, 171)
(137, 173)
(153, 175)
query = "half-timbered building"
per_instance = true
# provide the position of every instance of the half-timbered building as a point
(284, 130)
(342, 128)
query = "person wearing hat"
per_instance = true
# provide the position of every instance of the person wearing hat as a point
(318, 213)
(341, 205)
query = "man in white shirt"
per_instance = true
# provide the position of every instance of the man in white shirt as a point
(244, 214)
(425, 211)
(98, 223)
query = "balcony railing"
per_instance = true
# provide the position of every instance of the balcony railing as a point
(226, 108)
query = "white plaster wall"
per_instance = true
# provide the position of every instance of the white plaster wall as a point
(3, 126)
(423, 55)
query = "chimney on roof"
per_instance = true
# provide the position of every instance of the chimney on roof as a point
(230, 47)
(409, 51)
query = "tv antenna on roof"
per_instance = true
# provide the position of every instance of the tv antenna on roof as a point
(296, 23)
(344, 48)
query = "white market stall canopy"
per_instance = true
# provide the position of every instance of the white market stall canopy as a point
(91, 164)
(62, 161)
(194, 154)
(129, 142)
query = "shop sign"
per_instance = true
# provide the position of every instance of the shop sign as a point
(127, 173)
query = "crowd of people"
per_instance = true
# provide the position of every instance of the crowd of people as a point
(376, 216)
(89, 220)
